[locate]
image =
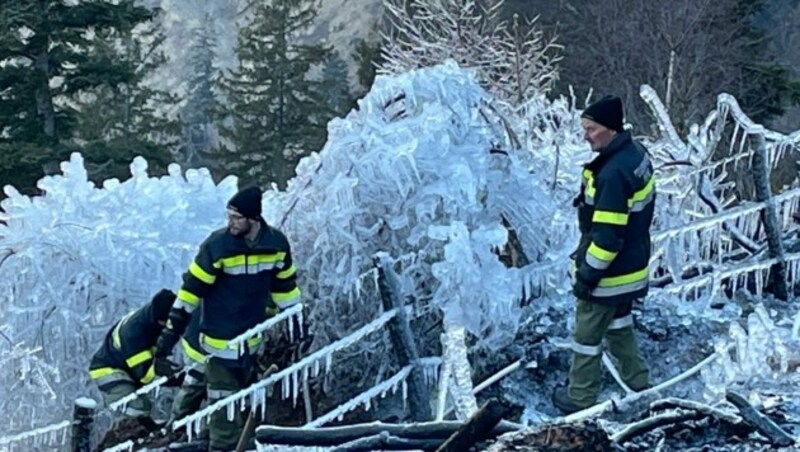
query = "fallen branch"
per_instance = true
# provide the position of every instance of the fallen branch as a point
(385, 441)
(708, 410)
(764, 425)
(334, 436)
(651, 423)
(602, 407)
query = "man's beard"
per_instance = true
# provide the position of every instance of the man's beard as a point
(245, 230)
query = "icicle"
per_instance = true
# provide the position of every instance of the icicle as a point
(405, 394)
(295, 387)
(230, 411)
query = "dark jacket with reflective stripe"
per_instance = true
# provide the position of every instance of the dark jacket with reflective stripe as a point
(237, 282)
(129, 345)
(615, 211)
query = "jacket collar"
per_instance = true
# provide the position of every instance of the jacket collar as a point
(619, 142)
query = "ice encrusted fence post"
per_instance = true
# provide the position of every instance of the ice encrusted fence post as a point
(405, 349)
(82, 420)
(769, 217)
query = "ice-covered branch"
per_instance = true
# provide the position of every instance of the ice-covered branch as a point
(365, 398)
(288, 376)
(56, 435)
(603, 406)
(296, 310)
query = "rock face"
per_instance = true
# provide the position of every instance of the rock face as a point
(581, 436)
(342, 23)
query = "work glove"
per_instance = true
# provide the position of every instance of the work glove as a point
(165, 368)
(166, 341)
(175, 381)
(581, 290)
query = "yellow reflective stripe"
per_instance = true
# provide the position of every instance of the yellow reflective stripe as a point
(287, 273)
(604, 216)
(234, 261)
(188, 298)
(216, 343)
(139, 358)
(279, 297)
(223, 343)
(613, 281)
(590, 190)
(263, 258)
(116, 341)
(642, 194)
(101, 372)
(198, 272)
(600, 253)
(150, 375)
(190, 351)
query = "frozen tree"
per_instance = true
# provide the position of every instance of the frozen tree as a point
(513, 63)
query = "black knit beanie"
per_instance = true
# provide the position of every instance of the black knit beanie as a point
(606, 112)
(162, 303)
(247, 202)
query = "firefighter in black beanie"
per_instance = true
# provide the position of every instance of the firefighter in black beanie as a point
(239, 274)
(615, 210)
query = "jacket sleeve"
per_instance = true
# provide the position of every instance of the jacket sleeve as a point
(609, 220)
(285, 292)
(141, 366)
(197, 282)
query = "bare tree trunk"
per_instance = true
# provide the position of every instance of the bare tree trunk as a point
(44, 100)
(405, 349)
(769, 218)
(673, 59)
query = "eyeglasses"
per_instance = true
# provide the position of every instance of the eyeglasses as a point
(232, 216)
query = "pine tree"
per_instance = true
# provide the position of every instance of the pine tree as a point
(275, 111)
(44, 63)
(122, 120)
(202, 106)
(334, 86)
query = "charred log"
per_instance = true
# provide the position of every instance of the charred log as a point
(764, 425)
(476, 429)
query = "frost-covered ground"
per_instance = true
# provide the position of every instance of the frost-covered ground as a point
(469, 199)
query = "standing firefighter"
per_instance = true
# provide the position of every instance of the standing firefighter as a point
(237, 274)
(124, 363)
(615, 210)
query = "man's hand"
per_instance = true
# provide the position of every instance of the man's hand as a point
(166, 341)
(165, 368)
(581, 290)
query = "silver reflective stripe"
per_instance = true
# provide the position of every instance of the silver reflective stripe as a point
(237, 270)
(180, 304)
(228, 353)
(588, 200)
(589, 350)
(133, 412)
(118, 375)
(252, 269)
(224, 353)
(596, 263)
(264, 266)
(620, 323)
(619, 290)
(640, 205)
(217, 394)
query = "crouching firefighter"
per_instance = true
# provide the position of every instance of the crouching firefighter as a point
(237, 273)
(124, 362)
